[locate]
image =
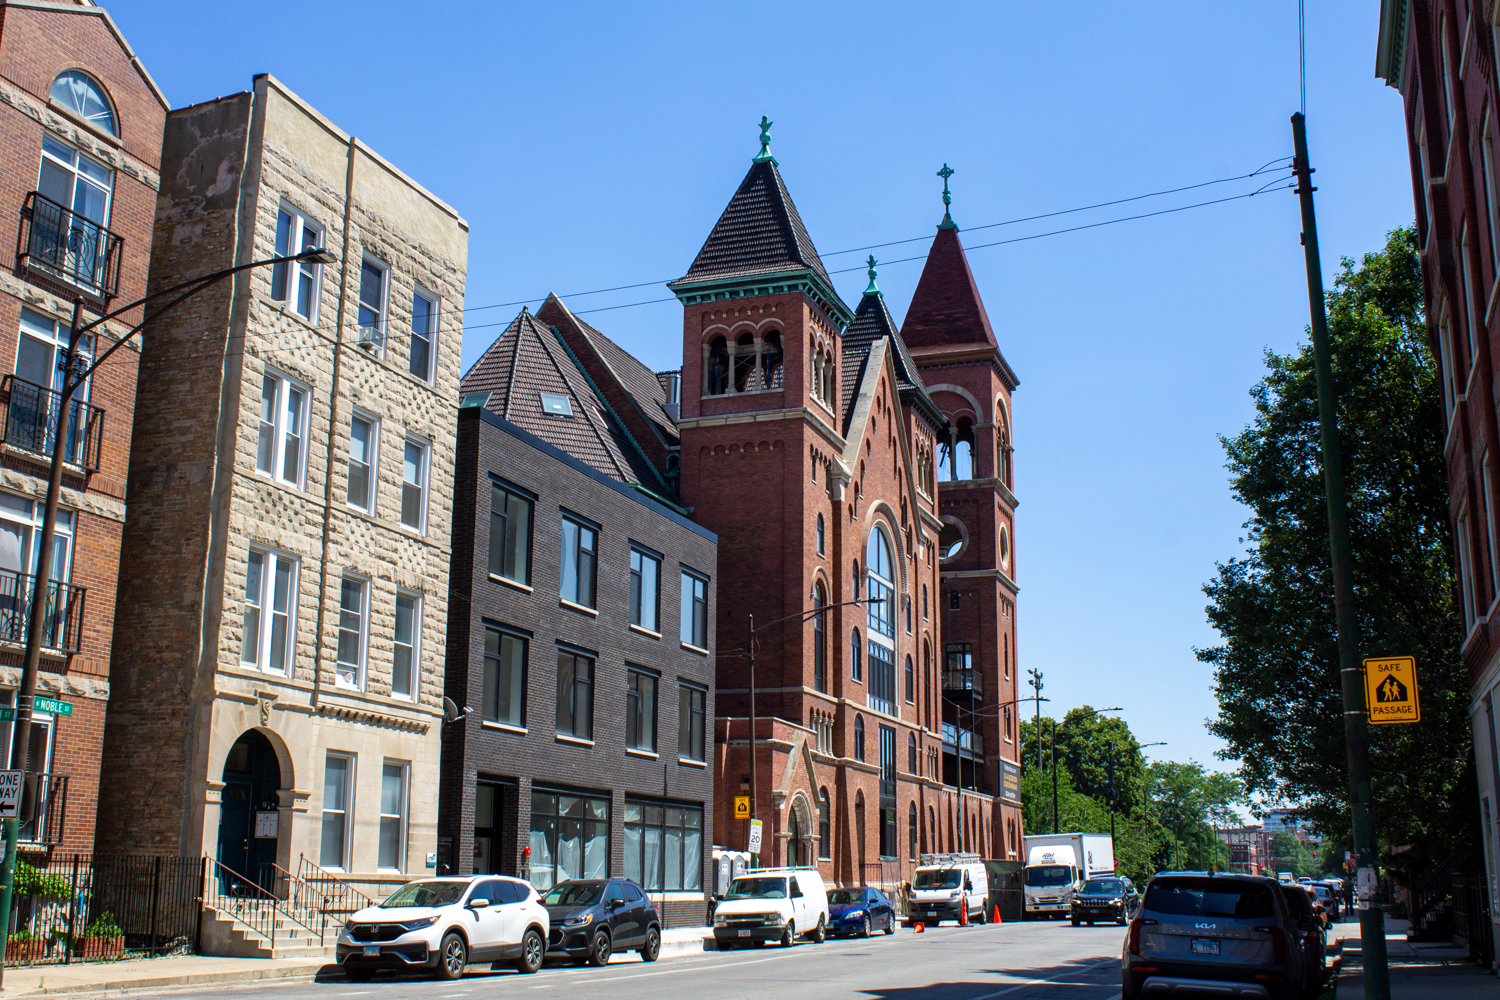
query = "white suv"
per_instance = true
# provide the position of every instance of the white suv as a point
(444, 924)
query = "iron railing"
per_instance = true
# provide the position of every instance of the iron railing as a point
(34, 420)
(1471, 916)
(60, 243)
(316, 898)
(339, 898)
(243, 899)
(963, 680)
(963, 739)
(62, 622)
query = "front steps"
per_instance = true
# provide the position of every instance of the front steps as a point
(227, 936)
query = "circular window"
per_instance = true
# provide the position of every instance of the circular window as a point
(81, 95)
(952, 539)
(1004, 547)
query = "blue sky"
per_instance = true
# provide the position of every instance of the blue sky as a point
(593, 145)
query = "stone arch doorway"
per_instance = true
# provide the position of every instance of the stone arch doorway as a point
(799, 832)
(248, 837)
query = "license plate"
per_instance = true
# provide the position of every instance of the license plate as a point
(744, 933)
(1205, 946)
(372, 951)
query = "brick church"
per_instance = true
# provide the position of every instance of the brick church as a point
(840, 457)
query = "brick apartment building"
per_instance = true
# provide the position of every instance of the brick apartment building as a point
(579, 642)
(82, 127)
(1441, 55)
(286, 551)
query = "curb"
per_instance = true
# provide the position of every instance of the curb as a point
(189, 979)
(688, 946)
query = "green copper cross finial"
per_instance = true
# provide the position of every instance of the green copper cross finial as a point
(765, 141)
(872, 290)
(946, 173)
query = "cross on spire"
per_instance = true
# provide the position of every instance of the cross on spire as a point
(765, 141)
(872, 290)
(946, 173)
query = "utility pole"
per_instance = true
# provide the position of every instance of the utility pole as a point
(1055, 827)
(1356, 737)
(754, 796)
(1036, 685)
(1110, 798)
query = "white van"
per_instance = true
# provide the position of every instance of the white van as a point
(943, 886)
(772, 904)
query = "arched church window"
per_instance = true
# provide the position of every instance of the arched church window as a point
(854, 668)
(1002, 446)
(771, 361)
(82, 95)
(859, 737)
(718, 367)
(830, 374)
(820, 641)
(825, 833)
(744, 363)
(822, 537)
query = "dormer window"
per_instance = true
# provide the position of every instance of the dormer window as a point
(80, 94)
(557, 404)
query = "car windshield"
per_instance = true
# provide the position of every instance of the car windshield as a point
(842, 897)
(1103, 886)
(443, 893)
(1209, 897)
(573, 894)
(938, 878)
(1049, 875)
(757, 888)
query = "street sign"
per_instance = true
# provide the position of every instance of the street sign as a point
(755, 827)
(1391, 690)
(7, 714)
(51, 706)
(11, 783)
(742, 807)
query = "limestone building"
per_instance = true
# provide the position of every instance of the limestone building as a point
(287, 540)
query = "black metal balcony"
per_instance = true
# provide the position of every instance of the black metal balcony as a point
(32, 418)
(44, 809)
(962, 682)
(57, 242)
(62, 624)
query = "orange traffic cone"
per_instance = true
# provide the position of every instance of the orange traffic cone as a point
(997, 914)
(963, 911)
(919, 927)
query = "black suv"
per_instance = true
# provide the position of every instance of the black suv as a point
(1108, 897)
(594, 918)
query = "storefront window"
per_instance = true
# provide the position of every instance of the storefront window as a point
(664, 846)
(569, 838)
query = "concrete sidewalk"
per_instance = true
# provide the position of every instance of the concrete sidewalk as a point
(1418, 970)
(191, 970)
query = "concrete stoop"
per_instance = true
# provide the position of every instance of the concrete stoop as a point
(225, 936)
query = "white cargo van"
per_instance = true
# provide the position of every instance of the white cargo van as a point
(772, 904)
(944, 885)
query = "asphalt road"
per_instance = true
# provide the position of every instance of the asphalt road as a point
(1044, 960)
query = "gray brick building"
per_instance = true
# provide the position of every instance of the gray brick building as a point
(285, 579)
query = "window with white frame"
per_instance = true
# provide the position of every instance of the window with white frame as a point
(424, 320)
(364, 450)
(373, 276)
(268, 637)
(393, 816)
(1445, 359)
(1487, 165)
(296, 282)
(414, 484)
(406, 657)
(1487, 500)
(881, 622)
(41, 349)
(579, 557)
(645, 590)
(353, 604)
(338, 800)
(1465, 569)
(693, 624)
(281, 451)
(80, 184)
(1446, 50)
(1470, 318)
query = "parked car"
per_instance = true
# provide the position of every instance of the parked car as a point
(1219, 933)
(1314, 935)
(860, 911)
(594, 918)
(772, 904)
(1328, 896)
(444, 924)
(1107, 898)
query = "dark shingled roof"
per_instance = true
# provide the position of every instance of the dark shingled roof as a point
(872, 322)
(528, 360)
(946, 310)
(760, 232)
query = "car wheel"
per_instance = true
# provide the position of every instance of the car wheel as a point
(788, 935)
(819, 935)
(1075, 921)
(864, 926)
(600, 948)
(532, 951)
(651, 948)
(890, 924)
(1090, 923)
(358, 973)
(1121, 920)
(979, 918)
(453, 955)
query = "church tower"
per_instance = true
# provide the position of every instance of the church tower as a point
(949, 334)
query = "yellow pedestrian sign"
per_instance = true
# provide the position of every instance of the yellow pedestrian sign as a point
(742, 807)
(1391, 690)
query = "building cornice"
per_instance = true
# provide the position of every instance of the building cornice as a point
(804, 413)
(802, 281)
(980, 574)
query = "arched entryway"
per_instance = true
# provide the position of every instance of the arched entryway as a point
(249, 817)
(799, 834)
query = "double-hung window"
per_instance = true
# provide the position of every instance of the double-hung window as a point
(414, 484)
(640, 710)
(296, 282)
(268, 636)
(645, 589)
(406, 665)
(338, 796)
(575, 695)
(32, 420)
(424, 319)
(353, 619)
(373, 277)
(504, 678)
(281, 451)
(694, 620)
(72, 244)
(692, 718)
(510, 533)
(393, 816)
(364, 448)
(579, 551)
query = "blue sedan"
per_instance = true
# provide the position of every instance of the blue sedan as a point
(860, 911)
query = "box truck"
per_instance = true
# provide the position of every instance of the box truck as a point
(1057, 864)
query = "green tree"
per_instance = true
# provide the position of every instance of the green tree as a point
(1086, 745)
(1076, 812)
(1276, 672)
(1288, 854)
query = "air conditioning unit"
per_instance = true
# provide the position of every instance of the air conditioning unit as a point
(371, 338)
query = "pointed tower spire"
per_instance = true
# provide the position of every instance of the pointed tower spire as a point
(947, 222)
(765, 141)
(872, 290)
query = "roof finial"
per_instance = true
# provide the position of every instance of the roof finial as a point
(872, 290)
(947, 222)
(765, 141)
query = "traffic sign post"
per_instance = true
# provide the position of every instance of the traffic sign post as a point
(11, 784)
(755, 835)
(52, 706)
(742, 807)
(1391, 690)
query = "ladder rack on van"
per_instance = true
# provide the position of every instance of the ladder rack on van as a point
(950, 859)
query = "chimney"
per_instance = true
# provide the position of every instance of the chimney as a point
(673, 405)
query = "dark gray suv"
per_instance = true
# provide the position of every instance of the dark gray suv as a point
(1213, 932)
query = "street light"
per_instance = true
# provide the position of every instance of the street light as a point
(1146, 790)
(75, 373)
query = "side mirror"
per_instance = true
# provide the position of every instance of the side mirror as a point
(477, 904)
(719, 898)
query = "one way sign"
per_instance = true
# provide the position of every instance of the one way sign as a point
(11, 783)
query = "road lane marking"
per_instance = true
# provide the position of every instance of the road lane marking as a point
(1049, 981)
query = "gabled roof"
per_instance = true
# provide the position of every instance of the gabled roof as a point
(872, 322)
(946, 310)
(527, 360)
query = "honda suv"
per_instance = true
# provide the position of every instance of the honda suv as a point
(444, 924)
(1232, 935)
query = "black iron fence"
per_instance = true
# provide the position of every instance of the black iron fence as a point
(92, 907)
(35, 419)
(62, 622)
(61, 243)
(1471, 916)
